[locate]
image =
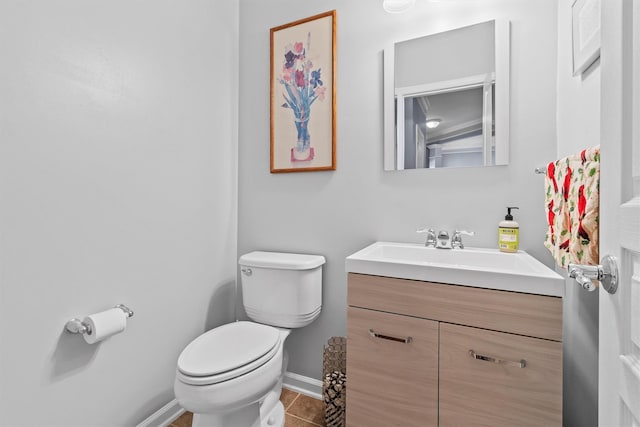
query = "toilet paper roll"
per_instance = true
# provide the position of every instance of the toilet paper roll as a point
(105, 324)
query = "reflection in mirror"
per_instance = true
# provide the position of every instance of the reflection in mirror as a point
(449, 125)
(446, 99)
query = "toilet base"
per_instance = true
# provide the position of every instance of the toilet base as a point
(271, 409)
(275, 418)
(250, 416)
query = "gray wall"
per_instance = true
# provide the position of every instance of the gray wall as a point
(578, 122)
(118, 130)
(337, 213)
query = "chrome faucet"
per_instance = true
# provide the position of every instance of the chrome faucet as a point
(442, 240)
(431, 236)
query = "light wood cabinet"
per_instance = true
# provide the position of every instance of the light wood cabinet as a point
(490, 378)
(428, 354)
(391, 379)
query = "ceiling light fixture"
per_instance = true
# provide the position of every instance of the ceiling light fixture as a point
(433, 123)
(397, 6)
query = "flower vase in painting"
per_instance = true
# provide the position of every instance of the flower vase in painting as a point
(302, 87)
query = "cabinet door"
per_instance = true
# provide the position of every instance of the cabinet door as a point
(494, 379)
(391, 382)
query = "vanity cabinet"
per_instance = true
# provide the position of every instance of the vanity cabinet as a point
(429, 354)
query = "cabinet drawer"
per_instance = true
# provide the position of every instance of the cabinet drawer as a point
(524, 314)
(493, 388)
(391, 383)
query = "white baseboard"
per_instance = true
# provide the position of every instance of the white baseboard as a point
(294, 382)
(164, 416)
(304, 385)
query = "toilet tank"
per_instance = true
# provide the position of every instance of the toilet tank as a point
(281, 289)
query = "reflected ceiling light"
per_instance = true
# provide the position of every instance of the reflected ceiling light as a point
(433, 123)
(397, 6)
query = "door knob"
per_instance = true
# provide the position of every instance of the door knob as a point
(606, 273)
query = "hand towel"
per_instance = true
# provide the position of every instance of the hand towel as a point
(572, 205)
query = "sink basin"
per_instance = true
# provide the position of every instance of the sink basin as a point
(478, 267)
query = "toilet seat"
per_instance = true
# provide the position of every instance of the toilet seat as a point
(227, 352)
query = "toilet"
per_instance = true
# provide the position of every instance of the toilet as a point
(231, 376)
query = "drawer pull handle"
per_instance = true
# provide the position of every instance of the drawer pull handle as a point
(520, 364)
(375, 334)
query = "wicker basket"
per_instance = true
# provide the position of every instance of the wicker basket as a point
(334, 385)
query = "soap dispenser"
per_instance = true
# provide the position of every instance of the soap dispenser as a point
(508, 232)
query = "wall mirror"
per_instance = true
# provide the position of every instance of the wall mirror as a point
(446, 99)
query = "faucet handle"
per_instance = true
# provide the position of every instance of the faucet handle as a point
(456, 240)
(431, 236)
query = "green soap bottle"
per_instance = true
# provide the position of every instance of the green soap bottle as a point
(509, 232)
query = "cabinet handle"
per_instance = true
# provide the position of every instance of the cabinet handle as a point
(375, 334)
(520, 364)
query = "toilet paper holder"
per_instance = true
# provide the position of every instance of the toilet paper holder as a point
(77, 326)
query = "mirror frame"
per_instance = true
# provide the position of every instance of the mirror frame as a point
(502, 107)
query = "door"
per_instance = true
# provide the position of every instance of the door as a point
(619, 328)
(421, 154)
(494, 379)
(392, 370)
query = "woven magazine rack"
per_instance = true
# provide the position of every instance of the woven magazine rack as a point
(334, 386)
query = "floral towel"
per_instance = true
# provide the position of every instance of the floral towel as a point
(572, 204)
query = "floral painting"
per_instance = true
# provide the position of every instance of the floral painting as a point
(303, 95)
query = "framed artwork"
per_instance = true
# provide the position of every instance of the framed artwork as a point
(303, 95)
(586, 34)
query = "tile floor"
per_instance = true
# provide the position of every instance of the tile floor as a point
(300, 411)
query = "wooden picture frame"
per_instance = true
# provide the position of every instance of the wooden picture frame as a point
(585, 15)
(303, 95)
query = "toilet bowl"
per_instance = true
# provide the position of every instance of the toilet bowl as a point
(244, 374)
(231, 376)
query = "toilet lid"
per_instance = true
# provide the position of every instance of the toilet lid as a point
(227, 348)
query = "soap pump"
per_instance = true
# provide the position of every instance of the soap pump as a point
(508, 232)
